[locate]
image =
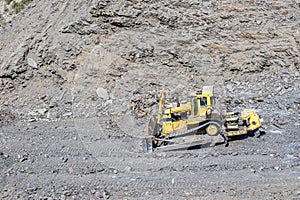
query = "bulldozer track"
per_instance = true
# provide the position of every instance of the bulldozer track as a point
(227, 162)
(180, 134)
(189, 182)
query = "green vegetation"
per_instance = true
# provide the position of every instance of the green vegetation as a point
(18, 7)
(11, 8)
(2, 21)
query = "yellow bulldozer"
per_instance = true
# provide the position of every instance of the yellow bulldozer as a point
(176, 122)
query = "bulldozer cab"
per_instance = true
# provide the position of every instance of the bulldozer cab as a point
(202, 101)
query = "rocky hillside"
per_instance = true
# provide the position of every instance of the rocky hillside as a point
(110, 60)
(80, 56)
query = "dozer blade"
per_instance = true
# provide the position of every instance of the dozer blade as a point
(193, 142)
(152, 126)
(151, 131)
(147, 145)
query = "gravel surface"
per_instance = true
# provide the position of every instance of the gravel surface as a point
(79, 81)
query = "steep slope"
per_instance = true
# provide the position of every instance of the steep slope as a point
(133, 49)
(136, 48)
(94, 70)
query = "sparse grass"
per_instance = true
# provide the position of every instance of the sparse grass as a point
(2, 23)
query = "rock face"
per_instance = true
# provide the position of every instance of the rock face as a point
(110, 59)
(133, 48)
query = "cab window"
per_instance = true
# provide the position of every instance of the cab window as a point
(203, 101)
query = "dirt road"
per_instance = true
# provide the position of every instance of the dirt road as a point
(53, 160)
(82, 79)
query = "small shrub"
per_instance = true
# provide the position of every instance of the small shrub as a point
(18, 7)
(2, 21)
